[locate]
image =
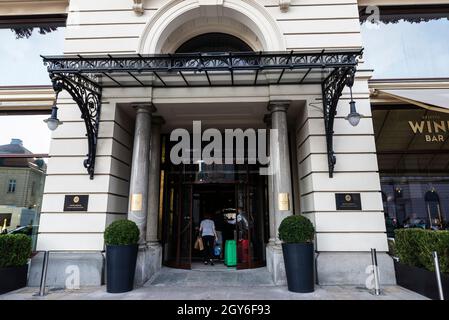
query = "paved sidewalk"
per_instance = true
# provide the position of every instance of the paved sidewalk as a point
(215, 284)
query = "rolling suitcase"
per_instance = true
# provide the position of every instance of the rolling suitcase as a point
(230, 253)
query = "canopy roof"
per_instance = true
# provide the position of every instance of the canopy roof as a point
(204, 69)
(84, 77)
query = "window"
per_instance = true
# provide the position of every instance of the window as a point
(413, 156)
(23, 40)
(12, 186)
(406, 41)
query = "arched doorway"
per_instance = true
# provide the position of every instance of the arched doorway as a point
(234, 194)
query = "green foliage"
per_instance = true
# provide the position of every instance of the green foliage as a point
(121, 232)
(414, 247)
(296, 229)
(15, 250)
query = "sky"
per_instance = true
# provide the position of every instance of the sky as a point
(21, 64)
(30, 129)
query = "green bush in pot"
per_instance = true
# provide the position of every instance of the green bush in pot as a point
(297, 234)
(121, 238)
(121, 232)
(296, 229)
(15, 250)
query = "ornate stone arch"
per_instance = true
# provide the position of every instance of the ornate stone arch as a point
(253, 24)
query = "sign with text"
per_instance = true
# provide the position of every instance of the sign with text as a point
(348, 201)
(283, 201)
(76, 202)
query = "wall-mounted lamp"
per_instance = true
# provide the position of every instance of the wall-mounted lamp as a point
(53, 122)
(353, 117)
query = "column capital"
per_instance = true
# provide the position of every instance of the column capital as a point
(157, 120)
(144, 107)
(279, 105)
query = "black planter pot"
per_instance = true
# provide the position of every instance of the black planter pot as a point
(120, 267)
(13, 278)
(421, 281)
(298, 260)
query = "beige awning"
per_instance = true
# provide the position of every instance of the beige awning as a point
(431, 99)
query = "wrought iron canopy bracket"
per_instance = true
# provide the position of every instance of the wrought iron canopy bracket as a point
(87, 96)
(332, 88)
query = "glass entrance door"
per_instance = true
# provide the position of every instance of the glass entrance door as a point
(250, 229)
(178, 223)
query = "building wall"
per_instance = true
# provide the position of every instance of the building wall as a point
(111, 26)
(19, 198)
(108, 192)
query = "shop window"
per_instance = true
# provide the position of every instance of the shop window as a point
(406, 41)
(413, 158)
(12, 186)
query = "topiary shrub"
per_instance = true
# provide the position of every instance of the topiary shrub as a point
(121, 232)
(296, 229)
(414, 247)
(434, 240)
(406, 246)
(15, 250)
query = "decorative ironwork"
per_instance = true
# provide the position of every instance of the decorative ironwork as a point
(199, 62)
(87, 96)
(332, 88)
(84, 77)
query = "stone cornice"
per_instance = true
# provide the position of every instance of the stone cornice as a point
(33, 7)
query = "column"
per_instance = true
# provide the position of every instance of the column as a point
(140, 166)
(272, 224)
(154, 181)
(280, 160)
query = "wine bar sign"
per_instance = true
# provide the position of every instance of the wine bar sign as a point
(76, 202)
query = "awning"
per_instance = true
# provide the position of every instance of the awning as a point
(84, 77)
(431, 99)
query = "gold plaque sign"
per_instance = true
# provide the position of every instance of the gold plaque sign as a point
(283, 202)
(136, 202)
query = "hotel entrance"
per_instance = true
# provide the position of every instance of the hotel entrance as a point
(234, 196)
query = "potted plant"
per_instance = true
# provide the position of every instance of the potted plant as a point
(415, 269)
(297, 234)
(121, 239)
(15, 250)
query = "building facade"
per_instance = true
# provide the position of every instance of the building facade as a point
(22, 177)
(134, 176)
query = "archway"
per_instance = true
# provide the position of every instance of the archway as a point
(179, 21)
(214, 42)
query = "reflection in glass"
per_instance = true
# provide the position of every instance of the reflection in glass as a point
(413, 166)
(403, 46)
(22, 178)
(21, 63)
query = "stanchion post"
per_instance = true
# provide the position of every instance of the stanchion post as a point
(375, 271)
(44, 274)
(438, 275)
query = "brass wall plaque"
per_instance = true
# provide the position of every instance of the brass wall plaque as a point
(283, 201)
(136, 202)
(76, 202)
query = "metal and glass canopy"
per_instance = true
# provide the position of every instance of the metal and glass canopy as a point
(84, 77)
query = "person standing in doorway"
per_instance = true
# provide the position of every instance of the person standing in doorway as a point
(209, 235)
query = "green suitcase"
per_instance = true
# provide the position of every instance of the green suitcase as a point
(230, 253)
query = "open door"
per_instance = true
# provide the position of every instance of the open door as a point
(178, 226)
(250, 230)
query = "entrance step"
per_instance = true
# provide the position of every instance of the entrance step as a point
(215, 277)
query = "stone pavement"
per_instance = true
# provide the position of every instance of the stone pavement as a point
(215, 283)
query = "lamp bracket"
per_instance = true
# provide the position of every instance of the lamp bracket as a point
(87, 96)
(332, 88)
